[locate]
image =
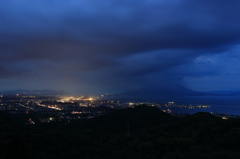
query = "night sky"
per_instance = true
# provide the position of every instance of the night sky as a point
(110, 46)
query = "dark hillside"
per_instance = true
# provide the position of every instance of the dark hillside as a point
(136, 118)
(152, 134)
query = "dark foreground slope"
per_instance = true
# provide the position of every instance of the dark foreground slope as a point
(132, 119)
(152, 134)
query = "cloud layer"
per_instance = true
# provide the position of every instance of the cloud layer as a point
(118, 45)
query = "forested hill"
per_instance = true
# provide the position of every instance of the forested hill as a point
(140, 132)
(134, 118)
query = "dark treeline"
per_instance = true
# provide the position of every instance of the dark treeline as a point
(142, 132)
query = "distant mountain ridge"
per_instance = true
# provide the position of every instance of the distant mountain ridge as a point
(34, 92)
(176, 90)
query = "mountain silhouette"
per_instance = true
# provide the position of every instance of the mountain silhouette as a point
(175, 90)
(34, 92)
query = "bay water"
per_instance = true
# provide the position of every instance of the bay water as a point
(218, 104)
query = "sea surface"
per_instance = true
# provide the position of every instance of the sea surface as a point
(219, 104)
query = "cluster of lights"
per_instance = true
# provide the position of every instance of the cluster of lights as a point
(47, 106)
(76, 112)
(72, 99)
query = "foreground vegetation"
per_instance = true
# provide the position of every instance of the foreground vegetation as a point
(141, 132)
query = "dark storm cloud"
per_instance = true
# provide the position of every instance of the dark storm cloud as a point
(119, 39)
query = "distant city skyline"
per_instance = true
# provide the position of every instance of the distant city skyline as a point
(115, 46)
